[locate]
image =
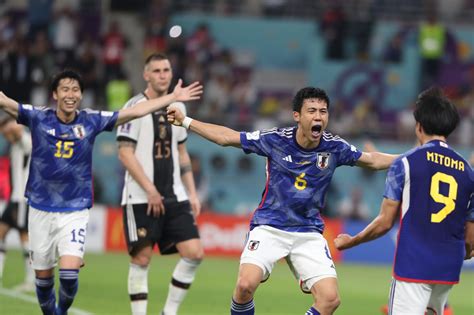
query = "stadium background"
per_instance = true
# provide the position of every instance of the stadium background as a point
(252, 56)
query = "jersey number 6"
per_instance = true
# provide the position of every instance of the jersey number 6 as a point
(449, 201)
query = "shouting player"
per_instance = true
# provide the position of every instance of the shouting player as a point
(287, 224)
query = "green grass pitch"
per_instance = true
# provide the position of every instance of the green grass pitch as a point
(103, 288)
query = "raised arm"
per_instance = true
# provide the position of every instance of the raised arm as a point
(9, 105)
(376, 160)
(191, 92)
(378, 227)
(218, 134)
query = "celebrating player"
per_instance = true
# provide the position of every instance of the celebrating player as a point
(59, 187)
(156, 207)
(287, 224)
(433, 188)
(15, 215)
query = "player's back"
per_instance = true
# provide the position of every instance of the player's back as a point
(438, 186)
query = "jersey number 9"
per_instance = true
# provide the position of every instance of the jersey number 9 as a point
(449, 201)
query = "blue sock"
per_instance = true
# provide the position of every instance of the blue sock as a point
(68, 289)
(45, 294)
(242, 309)
(312, 311)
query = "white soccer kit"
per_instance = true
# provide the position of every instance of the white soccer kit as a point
(156, 151)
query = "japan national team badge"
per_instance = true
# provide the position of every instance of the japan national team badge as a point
(253, 245)
(79, 131)
(322, 160)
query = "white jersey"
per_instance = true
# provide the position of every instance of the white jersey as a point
(20, 153)
(156, 151)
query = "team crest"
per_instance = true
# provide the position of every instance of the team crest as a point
(322, 160)
(79, 131)
(162, 128)
(253, 245)
(141, 232)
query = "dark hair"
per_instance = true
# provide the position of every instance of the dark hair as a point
(308, 93)
(435, 113)
(66, 74)
(155, 56)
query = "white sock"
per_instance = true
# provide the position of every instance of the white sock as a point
(29, 272)
(183, 276)
(2, 258)
(138, 288)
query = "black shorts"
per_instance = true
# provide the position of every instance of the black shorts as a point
(175, 226)
(16, 216)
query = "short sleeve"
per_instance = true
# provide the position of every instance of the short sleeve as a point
(26, 114)
(129, 131)
(107, 120)
(255, 142)
(348, 154)
(395, 180)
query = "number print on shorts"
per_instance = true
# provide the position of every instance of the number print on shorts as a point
(78, 237)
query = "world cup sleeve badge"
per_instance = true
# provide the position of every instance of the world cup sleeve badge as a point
(322, 160)
(79, 131)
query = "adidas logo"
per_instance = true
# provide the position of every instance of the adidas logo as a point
(288, 158)
(51, 132)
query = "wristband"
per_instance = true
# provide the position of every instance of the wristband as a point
(186, 122)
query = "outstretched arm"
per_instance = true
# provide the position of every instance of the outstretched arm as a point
(218, 134)
(376, 160)
(9, 105)
(191, 92)
(377, 228)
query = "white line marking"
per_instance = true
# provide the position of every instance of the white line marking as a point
(31, 299)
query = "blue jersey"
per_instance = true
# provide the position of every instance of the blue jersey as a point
(297, 178)
(60, 176)
(435, 186)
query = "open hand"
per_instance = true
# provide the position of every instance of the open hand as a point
(189, 93)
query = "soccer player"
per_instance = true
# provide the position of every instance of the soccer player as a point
(287, 224)
(159, 196)
(59, 187)
(433, 188)
(15, 215)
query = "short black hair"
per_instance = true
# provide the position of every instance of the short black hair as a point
(156, 56)
(66, 74)
(435, 113)
(308, 93)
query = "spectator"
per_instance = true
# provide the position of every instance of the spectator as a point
(432, 39)
(333, 29)
(114, 44)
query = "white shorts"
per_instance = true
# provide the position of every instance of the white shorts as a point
(410, 298)
(56, 234)
(307, 254)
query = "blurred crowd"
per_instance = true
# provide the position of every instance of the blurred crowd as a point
(43, 37)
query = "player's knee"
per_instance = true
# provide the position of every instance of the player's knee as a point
(197, 255)
(331, 302)
(141, 260)
(245, 288)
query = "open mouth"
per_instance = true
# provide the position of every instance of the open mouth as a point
(316, 130)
